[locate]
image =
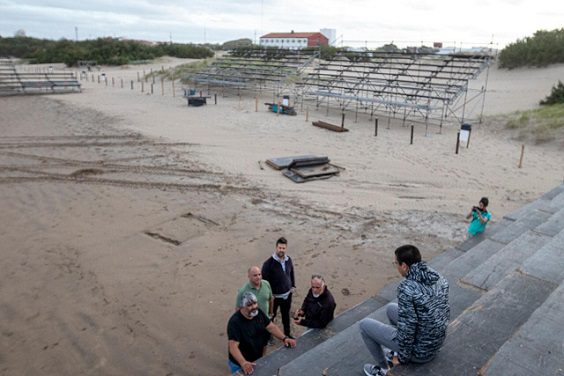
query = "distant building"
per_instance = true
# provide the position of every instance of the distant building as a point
(293, 40)
(331, 34)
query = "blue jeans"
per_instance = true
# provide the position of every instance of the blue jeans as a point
(233, 366)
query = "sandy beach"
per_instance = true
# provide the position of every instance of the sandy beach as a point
(130, 219)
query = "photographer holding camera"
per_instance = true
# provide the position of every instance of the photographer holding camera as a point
(480, 217)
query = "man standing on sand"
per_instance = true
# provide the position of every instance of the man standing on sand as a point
(480, 217)
(260, 288)
(318, 307)
(248, 332)
(418, 321)
(279, 271)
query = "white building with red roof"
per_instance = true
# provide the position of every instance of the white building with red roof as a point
(293, 40)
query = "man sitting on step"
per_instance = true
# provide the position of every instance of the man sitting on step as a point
(418, 321)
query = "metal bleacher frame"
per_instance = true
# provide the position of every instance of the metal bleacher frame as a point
(255, 69)
(419, 87)
(416, 87)
(13, 82)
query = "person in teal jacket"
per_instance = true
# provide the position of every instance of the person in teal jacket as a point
(480, 217)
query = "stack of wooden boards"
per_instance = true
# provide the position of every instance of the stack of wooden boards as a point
(304, 168)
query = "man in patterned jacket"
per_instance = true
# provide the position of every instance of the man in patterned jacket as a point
(418, 321)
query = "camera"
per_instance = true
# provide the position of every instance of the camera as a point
(476, 209)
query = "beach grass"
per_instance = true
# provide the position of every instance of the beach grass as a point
(183, 70)
(541, 125)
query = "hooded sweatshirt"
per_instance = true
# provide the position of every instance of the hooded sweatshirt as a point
(423, 313)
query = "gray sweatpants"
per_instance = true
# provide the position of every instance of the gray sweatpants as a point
(376, 334)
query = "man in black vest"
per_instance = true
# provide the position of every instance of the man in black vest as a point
(278, 270)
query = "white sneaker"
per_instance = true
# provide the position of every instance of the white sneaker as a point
(374, 370)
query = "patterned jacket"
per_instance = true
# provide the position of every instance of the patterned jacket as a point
(423, 313)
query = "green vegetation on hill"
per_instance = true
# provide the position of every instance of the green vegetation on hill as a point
(243, 42)
(542, 49)
(556, 95)
(107, 51)
(540, 125)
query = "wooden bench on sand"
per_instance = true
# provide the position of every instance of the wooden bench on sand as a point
(329, 126)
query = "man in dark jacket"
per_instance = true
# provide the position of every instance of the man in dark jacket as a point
(418, 321)
(278, 270)
(318, 307)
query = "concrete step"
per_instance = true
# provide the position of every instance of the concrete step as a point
(462, 265)
(339, 355)
(550, 202)
(506, 260)
(553, 225)
(548, 262)
(345, 353)
(270, 365)
(528, 221)
(537, 347)
(484, 327)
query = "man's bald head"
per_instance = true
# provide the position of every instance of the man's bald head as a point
(255, 276)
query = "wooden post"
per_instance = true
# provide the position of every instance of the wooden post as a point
(98, 78)
(215, 98)
(131, 84)
(138, 79)
(173, 93)
(256, 103)
(162, 86)
(151, 88)
(113, 82)
(521, 157)
(343, 120)
(121, 83)
(411, 142)
(144, 76)
(106, 80)
(202, 95)
(356, 113)
(307, 114)
(279, 109)
(376, 127)
(457, 142)
(142, 86)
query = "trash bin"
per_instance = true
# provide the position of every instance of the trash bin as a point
(465, 130)
(285, 100)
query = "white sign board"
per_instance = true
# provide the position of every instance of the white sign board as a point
(464, 135)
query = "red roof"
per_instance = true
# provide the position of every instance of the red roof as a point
(291, 35)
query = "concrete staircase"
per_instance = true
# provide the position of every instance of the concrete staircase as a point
(507, 307)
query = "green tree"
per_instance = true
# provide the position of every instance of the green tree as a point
(542, 49)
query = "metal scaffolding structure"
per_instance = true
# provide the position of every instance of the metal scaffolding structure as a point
(255, 69)
(424, 88)
(414, 87)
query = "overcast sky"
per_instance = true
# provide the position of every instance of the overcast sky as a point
(406, 22)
